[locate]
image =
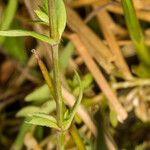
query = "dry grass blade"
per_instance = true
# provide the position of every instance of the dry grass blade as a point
(110, 144)
(93, 43)
(30, 142)
(31, 62)
(99, 78)
(79, 3)
(111, 40)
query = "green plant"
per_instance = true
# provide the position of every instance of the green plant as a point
(137, 37)
(135, 31)
(53, 14)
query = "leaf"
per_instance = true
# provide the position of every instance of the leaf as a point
(68, 119)
(42, 16)
(113, 118)
(15, 47)
(58, 20)
(61, 16)
(17, 33)
(141, 71)
(46, 108)
(8, 16)
(27, 110)
(86, 82)
(44, 7)
(66, 55)
(39, 94)
(42, 120)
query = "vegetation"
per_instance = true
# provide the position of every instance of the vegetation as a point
(74, 75)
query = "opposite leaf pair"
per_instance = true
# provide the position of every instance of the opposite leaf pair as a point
(43, 119)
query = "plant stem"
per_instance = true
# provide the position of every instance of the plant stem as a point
(57, 86)
(53, 24)
(61, 141)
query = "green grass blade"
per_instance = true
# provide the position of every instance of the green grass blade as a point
(17, 33)
(8, 16)
(15, 48)
(135, 31)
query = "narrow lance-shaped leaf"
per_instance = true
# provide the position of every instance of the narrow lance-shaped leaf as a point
(47, 108)
(40, 94)
(66, 55)
(70, 115)
(42, 120)
(61, 16)
(17, 33)
(27, 110)
(113, 118)
(57, 17)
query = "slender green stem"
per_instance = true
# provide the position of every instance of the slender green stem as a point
(57, 86)
(61, 137)
(58, 95)
(54, 34)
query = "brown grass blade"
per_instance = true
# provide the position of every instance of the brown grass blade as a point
(93, 43)
(111, 40)
(99, 78)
